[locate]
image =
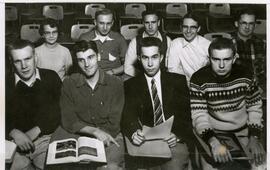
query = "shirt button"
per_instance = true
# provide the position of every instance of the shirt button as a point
(93, 117)
(92, 94)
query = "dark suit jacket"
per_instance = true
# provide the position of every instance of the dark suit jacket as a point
(175, 99)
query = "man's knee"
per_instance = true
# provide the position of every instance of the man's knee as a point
(21, 162)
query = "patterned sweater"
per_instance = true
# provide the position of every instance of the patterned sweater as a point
(226, 104)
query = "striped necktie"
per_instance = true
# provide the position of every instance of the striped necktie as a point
(158, 115)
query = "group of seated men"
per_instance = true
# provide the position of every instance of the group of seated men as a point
(209, 88)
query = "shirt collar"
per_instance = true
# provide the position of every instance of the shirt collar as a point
(156, 77)
(101, 79)
(157, 35)
(29, 82)
(193, 42)
(102, 38)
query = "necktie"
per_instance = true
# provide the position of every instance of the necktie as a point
(158, 115)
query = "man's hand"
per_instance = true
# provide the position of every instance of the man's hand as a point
(171, 140)
(220, 153)
(138, 137)
(104, 137)
(257, 150)
(22, 140)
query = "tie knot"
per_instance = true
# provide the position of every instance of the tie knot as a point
(153, 81)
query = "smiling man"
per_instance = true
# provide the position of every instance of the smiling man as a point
(225, 99)
(92, 102)
(111, 45)
(188, 54)
(51, 55)
(32, 100)
(151, 98)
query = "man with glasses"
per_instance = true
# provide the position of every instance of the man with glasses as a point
(51, 55)
(250, 48)
(151, 22)
(188, 54)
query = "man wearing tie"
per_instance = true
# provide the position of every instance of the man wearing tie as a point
(153, 97)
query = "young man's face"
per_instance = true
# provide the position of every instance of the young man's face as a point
(150, 59)
(190, 29)
(222, 61)
(88, 62)
(50, 34)
(104, 24)
(24, 62)
(151, 24)
(246, 25)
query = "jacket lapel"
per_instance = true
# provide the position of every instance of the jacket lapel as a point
(167, 91)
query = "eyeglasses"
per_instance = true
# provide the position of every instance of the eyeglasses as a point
(193, 28)
(54, 33)
(244, 24)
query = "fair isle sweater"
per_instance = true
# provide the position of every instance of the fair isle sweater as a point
(226, 104)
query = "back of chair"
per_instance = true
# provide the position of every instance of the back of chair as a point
(135, 10)
(130, 31)
(53, 11)
(212, 36)
(30, 32)
(219, 9)
(176, 9)
(78, 29)
(11, 13)
(260, 26)
(91, 9)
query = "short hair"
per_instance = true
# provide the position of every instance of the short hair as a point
(221, 43)
(150, 12)
(151, 41)
(247, 11)
(192, 16)
(19, 44)
(48, 21)
(84, 45)
(104, 11)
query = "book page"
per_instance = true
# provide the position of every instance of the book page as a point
(90, 149)
(62, 151)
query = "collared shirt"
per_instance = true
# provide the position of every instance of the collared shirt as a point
(187, 57)
(30, 82)
(112, 48)
(158, 85)
(100, 107)
(132, 57)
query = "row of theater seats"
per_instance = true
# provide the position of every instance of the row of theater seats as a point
(215, 18)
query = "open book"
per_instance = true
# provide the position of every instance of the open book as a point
(83, 150)
(154, 145)
(10, 151)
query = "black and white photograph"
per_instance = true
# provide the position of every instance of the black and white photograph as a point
(105, 70)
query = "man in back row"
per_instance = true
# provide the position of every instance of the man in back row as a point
(111, 45)
(151, 22)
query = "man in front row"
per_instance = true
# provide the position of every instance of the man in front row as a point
(92, 102)
(32, 100)
(226, 99)
(153, 97)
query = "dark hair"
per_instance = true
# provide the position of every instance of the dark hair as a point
(19, 44)
(221, 43)
(151, 41)
(192, 16)
(247, 11)
(48, 21)
(103, 11)
(150, 12)
(84, 45)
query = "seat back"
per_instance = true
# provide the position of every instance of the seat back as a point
(130, 31)
(78, 29)
(53, 11)
(11, 13)
(91, 9)
(30, 32)
(212, 36)
(135, 10)
(219, 9)
(176, 9)
(260, 26)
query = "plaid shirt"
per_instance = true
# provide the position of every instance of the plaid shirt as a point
(252, 54)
